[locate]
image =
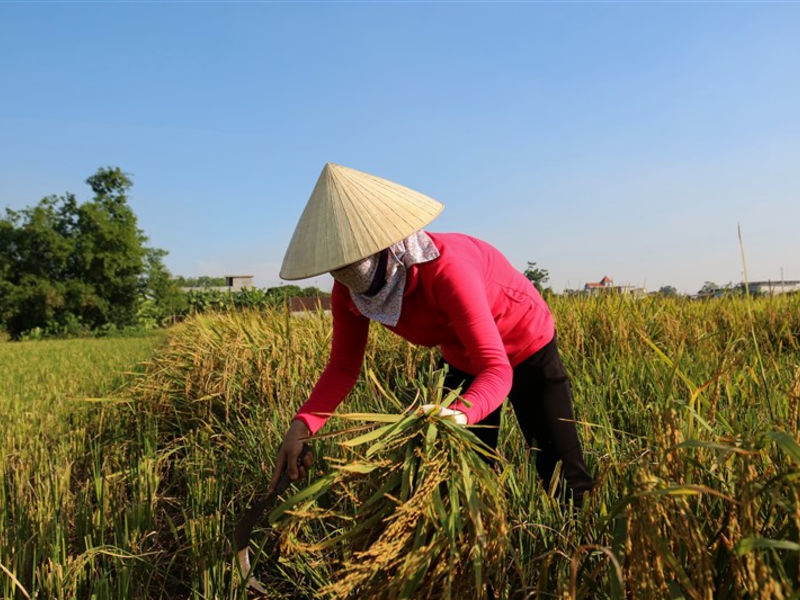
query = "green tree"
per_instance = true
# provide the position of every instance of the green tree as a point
(537, 275)
(66, 267)
(110, 251)
(162, 296)
(35, 258)
(709, 289)
(668, 291)
(202, 281)
(278, 295)
(312, 291)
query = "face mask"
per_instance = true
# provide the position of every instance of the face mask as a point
(358, 275)
(377, 283)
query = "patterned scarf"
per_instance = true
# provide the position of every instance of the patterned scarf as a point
(385, 305)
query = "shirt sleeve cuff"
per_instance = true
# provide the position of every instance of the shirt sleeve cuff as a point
(312, 421)
(460, 406)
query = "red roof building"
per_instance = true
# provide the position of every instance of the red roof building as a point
(606, 283)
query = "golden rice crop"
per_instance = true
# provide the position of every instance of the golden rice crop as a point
(688, 413)
(418, 512)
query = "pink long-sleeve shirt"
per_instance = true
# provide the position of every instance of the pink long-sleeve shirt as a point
(484, 315)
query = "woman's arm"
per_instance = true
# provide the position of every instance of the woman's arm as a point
(340, 375)
(462, 294)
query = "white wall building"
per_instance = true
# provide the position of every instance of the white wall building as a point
(773, 288)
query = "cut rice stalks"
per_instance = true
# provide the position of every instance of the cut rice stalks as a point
(417, 513)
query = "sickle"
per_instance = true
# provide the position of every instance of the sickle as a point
(244, 527)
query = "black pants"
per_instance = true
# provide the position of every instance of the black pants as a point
(542, 400)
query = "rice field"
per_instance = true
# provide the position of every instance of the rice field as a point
(124, 481)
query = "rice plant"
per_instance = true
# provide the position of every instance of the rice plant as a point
(413, 509)
(128, 486)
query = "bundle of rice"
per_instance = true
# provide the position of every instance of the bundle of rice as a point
(417, 513)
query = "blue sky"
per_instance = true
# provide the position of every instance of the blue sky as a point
(618, 139)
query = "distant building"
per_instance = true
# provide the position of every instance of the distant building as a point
(233, 283)
(309, 303)
(606, 286)
(773, 288)
(238, 282)
(630, 290)
(757, 288)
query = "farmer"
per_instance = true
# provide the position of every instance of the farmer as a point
(494, 330)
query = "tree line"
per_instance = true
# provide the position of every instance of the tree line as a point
(72, 268)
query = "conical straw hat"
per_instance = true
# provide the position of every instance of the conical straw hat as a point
(349, 216)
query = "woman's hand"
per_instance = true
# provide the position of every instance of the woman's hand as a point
(290, 451)
(445, 413)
